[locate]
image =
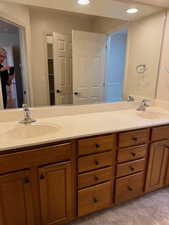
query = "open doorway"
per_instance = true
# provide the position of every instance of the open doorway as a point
(10, 42)
(116, 62)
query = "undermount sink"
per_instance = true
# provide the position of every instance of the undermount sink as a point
(22, 131)
(153, 115)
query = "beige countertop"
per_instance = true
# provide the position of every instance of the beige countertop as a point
(14, 135)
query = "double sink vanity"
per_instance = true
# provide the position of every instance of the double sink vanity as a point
(64, 167)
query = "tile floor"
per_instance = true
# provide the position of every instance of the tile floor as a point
(151, 209)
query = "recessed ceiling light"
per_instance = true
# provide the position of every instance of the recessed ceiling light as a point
(132, 10)
(83, 2)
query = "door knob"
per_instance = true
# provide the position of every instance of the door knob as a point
(58, 91)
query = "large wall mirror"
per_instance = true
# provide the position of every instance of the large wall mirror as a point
(84, 59)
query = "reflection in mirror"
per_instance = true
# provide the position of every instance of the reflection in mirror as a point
(108, 64)
(70, 58)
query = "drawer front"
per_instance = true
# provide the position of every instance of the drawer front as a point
(97, 144)
(35, 157)
(95, 161)
(95, 198)
(160, 133)
(132, 153)
(130, 168)
(132, 138)
(95, 177)
(129, 187)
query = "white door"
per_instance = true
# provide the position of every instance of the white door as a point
(89, 52)
(62, 55)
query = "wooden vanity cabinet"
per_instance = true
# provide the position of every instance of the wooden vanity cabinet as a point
(56, 193)
(53, 184)
(157, 165)
(16, 202)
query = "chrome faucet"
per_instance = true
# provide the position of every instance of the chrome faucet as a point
(143, 105)
(27, 115)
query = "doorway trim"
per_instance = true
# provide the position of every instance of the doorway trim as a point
(25, 41)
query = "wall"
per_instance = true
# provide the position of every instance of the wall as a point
(144, 47)
(163, 84)
(43, 20)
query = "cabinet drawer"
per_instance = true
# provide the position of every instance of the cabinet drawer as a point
(160, 133)
(36, 157)
(129, 187)
(130, 167)
(95, 161)
(95, 198)
(132, 138)
(97, 144)
(95, 177)
(132, 153)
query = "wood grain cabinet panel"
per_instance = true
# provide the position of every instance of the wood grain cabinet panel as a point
(132, 153)
(95, 177)
(128, 168)
(157, 165)
(96, 144)
(16, 205)
(95, 161)
(132, 138)
(160, 133)
(129, 187)
(56, 193)
(95, 198)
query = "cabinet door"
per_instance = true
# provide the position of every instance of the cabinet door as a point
(16, 206)
(157, 165)
(56, 193)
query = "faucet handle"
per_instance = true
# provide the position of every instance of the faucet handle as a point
(25, 107)
(145, 102)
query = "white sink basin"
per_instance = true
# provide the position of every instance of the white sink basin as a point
(22, 131)
(153, 115)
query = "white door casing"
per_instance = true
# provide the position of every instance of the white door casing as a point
(89, 56)
(62, 55)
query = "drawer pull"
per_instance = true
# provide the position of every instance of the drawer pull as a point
(131, 168)
(135, 138)
(42, 177)
(97, 162)
(129, 188)
(98, 146)
(133, 154)
(95, 200)
(166, 146)
(26, 180)
(96, 178)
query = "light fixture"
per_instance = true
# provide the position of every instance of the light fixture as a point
(132, 10)
(83, 2)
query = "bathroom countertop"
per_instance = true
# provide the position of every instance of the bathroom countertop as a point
(14, 135)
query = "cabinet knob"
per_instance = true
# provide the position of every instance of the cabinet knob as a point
(131, 168)
(166, 146)
(76, 93)
(135, 138)
(133, 154)
(98, 146)
(97, 162)
(42, 177)
(129, 188)
(96, 178)
(26, 180)
(95, 200)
